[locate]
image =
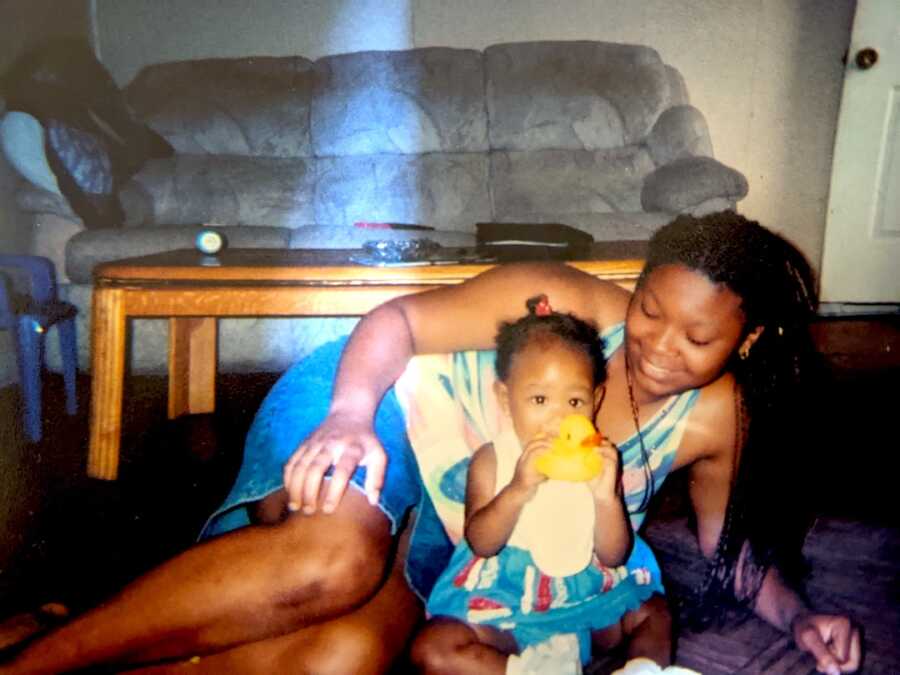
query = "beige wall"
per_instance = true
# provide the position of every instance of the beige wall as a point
(133, 33)
(766, 73)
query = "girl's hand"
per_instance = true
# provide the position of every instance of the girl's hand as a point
(527, 477)
(832, 640)
(605, 487)
(343, 441)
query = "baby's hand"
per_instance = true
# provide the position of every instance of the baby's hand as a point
(605, 487)
(527, 476)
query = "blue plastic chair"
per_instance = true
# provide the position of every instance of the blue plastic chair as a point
(28, 307)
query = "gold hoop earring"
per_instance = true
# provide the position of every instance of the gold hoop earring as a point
(744, 352)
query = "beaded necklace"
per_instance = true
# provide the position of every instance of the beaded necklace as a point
(650, 482)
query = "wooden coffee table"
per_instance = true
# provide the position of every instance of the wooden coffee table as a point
(248, 283)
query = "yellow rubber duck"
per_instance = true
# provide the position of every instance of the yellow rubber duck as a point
(571, 456)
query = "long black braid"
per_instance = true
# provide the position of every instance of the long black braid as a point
(776, 385)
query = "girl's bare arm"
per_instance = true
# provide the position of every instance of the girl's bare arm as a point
(466, 316)
(613, 536)
(490, 518)
(612, 533)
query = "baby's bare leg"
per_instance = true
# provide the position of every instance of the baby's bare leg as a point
(450, 647)
(647, 631)
(245, 586)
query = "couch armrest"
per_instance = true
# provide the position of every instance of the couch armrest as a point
(689, 183)
(680, 131)
(32, 199)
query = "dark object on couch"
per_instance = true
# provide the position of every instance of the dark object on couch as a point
(92, 142)
(532, 241)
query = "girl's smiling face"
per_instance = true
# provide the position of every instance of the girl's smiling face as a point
(681, 329)
(547, 381)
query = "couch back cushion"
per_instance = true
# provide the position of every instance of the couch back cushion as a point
(575, 95)
(552, 185)
(253, 106)
(446, 190)
(399, 102)
(228, 189)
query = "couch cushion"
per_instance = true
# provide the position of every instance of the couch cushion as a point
(408, 102)
(37, 200)
(573, 95)
(89, 248)
(189, 189)
(446, 191)
(558, 183)
(255, 106)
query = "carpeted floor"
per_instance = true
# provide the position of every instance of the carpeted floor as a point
(70, 539)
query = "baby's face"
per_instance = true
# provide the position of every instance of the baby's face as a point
(547, 381)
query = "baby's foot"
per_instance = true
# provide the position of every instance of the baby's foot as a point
(645, 666)
(558, 655)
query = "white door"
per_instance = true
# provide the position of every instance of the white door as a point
(861, 258)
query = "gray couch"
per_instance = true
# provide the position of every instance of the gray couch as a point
(288, 152)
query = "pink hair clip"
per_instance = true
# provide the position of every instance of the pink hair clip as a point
(542, 308)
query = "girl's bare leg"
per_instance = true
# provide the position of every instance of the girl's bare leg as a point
(647, 630)
(450, 647)
(249, 585)
(367, 641)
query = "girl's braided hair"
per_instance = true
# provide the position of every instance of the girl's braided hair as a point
(777, 383)
(540, 322)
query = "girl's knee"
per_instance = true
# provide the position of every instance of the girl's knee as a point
(607, 639)
(649, 630)
(434, 648)
(646, 631)
(653, 615)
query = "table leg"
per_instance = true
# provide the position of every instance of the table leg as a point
(107, 370)
(192, 365)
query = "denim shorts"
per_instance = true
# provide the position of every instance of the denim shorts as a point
(294, 407)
